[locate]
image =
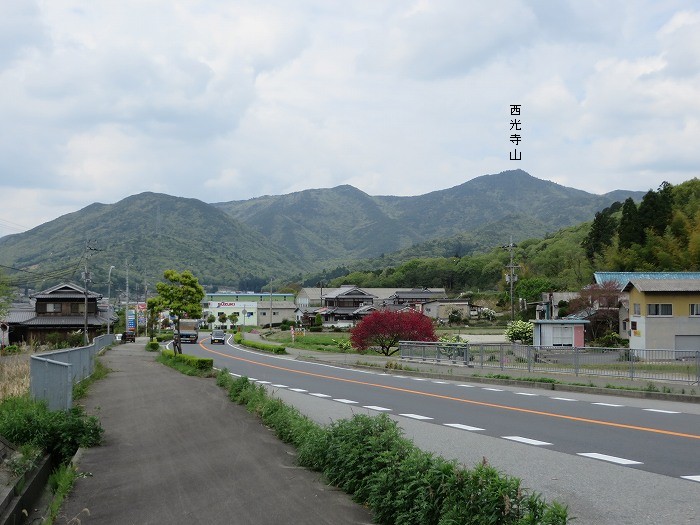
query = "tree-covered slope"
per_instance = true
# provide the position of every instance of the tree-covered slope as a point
(151, 233)
(344, 223)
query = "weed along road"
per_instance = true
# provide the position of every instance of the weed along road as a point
(610, 459)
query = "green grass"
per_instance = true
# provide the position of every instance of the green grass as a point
(61, 483)
(318, 341)
(80, 389)
(369, 458)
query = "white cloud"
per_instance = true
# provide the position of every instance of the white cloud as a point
(247, 98)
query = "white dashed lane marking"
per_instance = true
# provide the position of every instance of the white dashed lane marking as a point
(692, 478)
(462, 427)
(280, 386)
(607, 405)
(316, 394)
(563, 399)
(611, 459)
(298, 390)
(379, 409)
(493, 389)
(467, 386)
(527, 441)
(416, 416)
(660, 411)
(524, 394)
(346, 401)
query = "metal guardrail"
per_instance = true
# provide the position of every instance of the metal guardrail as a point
(53, 374)
(624, 363)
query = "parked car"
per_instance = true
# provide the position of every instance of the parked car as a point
(129, 337)
(218, 336)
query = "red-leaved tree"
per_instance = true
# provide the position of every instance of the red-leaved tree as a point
(384, 329)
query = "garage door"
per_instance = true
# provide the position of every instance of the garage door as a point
(691, 343)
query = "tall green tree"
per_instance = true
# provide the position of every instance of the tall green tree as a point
(153, 307)
(182, 295)
(630, 230)
(656, 209)
(601, 234)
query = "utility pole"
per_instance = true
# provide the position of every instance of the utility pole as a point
(126, 311)
(86, 280)
(511, 277)
(270, 303)
(109, 297)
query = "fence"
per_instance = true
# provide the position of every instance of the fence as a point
(53, 374)
(624, 363)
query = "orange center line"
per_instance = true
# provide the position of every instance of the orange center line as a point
(460, 400)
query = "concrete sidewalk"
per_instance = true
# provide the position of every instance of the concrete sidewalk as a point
(177, 451)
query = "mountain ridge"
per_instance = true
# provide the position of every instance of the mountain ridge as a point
(246, 244)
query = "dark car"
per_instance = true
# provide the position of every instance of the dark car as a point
(129, 337)
(218, 336)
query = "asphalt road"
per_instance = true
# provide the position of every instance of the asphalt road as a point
(610, 459)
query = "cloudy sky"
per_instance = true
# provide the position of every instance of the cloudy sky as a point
(232, 99)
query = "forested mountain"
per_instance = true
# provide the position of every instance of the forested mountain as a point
(150, 233)
(245, 244)
(343, 223)
(661, 233)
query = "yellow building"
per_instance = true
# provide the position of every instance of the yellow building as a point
(664, 314)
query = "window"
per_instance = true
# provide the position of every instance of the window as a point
(695, 309)
(633, 325)
(624, 325)
(77, 308)
(659, 309)
(637, 309)
(53, 307)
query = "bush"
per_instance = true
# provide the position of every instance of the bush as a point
(370, 459)
(60, 433)
(316, 328)
(610, 340)
(520, 331)
(152, 346)
(198, 363)
(266, 347)
(11, 349)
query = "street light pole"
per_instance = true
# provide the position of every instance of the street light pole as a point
(109, 296)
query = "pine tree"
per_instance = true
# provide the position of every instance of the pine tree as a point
(601, 234)
(630, 230)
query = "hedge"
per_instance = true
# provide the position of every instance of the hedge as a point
(368, 457)
(266, 347)
(199, 363)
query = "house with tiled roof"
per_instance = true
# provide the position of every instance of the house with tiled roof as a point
(346, 305)
(60, 309)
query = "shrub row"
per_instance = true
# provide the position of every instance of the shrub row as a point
(198, 363)
(369, 458)
(24, 421)
(152, 346)
(266, 347)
